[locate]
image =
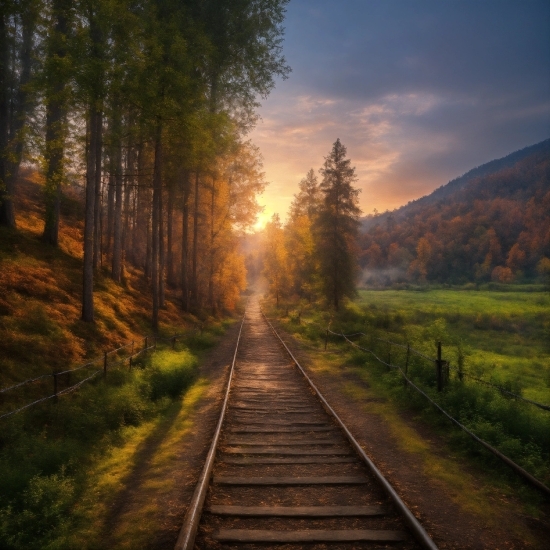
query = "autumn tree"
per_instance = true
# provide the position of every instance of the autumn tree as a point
(337, 226)
(302, 261)
(275, 260)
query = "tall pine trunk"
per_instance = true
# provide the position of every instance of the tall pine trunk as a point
(88, 271)
(116, 272)
(170, 275)
(212, 250)
(186, 191)
(7, 216)
(194, 281)
(98, 191)
(156, 229)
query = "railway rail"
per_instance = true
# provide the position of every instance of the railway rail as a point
(283, 470)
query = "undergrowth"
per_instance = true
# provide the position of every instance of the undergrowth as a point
(46, 451)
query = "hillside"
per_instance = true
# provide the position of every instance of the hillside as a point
(449, 190)
(40, 295)
(490, 224)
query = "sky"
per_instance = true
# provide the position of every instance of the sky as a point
(419, 91)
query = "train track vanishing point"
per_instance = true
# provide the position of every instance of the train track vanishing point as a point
(283, 471)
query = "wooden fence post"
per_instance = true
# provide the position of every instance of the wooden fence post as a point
(155, 343)
(326, 339)
(131, 355)
(145, 344)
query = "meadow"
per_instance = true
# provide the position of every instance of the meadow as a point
(499, 337)
(504, 336)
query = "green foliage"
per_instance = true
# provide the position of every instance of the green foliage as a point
(46, 450)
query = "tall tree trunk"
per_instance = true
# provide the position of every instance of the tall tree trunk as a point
(186, 191)
(194, 281)
(98, 189)
(110, 205)
(88, 271)
(170, 276)
(7, 216)
(212, 252)
(128, 190)
(162, 251)
(55, 139)
(19, 116)
(117, 235)
(156, 231)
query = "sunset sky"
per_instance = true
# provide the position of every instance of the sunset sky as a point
(419, 91)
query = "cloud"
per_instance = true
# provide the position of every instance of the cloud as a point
(420, 91)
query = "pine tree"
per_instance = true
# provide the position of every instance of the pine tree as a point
(337, 225)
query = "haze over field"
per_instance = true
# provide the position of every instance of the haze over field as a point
(419, 91)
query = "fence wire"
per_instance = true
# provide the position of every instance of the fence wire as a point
(515, 467)
(90, 363)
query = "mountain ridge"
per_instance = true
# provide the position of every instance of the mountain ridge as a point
(457, 184)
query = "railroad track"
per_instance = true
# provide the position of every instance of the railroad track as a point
(283, 470)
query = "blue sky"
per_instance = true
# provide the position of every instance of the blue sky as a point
(419, 91)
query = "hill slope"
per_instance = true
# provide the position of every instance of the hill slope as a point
(492, 223)
(40, 294)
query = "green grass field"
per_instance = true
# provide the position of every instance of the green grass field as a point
(505, 335)
(499, 337)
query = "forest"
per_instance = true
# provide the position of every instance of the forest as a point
(494, 228)
(142, 110)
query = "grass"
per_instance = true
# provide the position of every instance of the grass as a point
(66, 465)
(505, 335)
(498, 336)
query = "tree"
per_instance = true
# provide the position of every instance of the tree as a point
(275, 261)
(57, 68)
(337, 226)
(17, 52)
(302, 263)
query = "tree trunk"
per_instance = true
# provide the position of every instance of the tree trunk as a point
(156, 231)
(170, 275)
(162, 250)
(128, 190)
(116, 272)
(211, 266)
(55, 147)
(98, 190)
(88, 271)
(56, 107)
(7, 216)
(20, 114)
(194, 282)
(186, 191)
(110, 205)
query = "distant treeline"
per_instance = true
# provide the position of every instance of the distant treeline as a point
(147, 105)
(495, 228)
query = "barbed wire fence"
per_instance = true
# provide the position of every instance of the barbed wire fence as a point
(100, 365)
(442, 369)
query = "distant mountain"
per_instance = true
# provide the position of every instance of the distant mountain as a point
(492, 223)
(448, 190)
